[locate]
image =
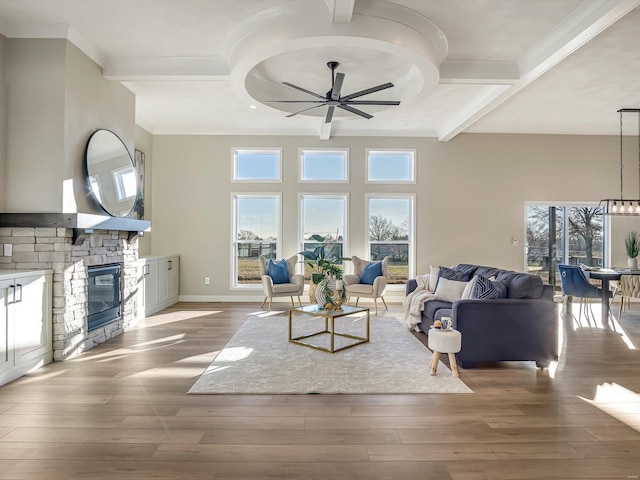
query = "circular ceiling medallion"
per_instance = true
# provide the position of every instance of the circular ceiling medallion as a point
(292, 42)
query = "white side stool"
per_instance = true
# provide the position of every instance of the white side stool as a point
(445, 341)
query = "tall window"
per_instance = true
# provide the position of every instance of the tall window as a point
(570, 234)
(327, 165)
(391, 166)
(324, 215)
(256, 232)
(390, 225)
(257, 165)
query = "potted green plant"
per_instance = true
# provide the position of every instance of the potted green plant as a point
(632, 247)
(325, 264)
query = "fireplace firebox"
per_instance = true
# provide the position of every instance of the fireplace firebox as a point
(103, 294)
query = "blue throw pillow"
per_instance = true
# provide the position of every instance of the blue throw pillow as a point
(278, 271)
(370, 272)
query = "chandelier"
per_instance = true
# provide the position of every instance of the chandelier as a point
(624, 206)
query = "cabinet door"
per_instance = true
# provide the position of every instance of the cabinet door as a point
(6, 299)
(31, 334)
(150, 285)
(174, 278)
(164, 270)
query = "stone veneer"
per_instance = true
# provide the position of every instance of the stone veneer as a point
(53, 248)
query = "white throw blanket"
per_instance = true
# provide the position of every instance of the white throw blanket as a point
(413, 304)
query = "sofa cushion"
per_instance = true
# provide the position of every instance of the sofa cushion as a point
(449, 290)
(483, 288)
(452, 274)
(432, 306)
(489, 271)
(468, 269)
(521, 285)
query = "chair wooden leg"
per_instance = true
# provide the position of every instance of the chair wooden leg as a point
(263, 302)
(270, 300)
(292, 302)
(385, 303)
(375, 302)
(299, 301)
(357, 300)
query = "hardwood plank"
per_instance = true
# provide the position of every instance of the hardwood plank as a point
(120, 411)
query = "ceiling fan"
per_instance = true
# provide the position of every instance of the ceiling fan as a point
(332, 98)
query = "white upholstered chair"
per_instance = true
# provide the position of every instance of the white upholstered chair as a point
(373, 290)
(294, 287)
(629, 288)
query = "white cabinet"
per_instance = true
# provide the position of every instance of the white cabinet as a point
(25, 322)
(161, 282)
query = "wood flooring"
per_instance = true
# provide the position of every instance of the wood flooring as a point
(120, 411)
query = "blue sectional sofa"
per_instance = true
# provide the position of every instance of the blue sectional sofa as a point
(523, 326)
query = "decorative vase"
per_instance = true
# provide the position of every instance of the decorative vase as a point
(312, 292)
(322, 293)
(633, 263)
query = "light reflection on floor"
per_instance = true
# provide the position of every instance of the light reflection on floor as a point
(619, 402)
(591, 317)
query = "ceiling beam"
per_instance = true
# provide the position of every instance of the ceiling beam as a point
(325, 130)
(476, 72)
(341, 10)
(127, 69)
(584, 23)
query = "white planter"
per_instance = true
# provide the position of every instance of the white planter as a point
(632, 263)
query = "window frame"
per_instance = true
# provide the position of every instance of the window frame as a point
(412, 230)
(345, 213)
(303, 150)
(413, 157)
(234, 234)
(254, 150)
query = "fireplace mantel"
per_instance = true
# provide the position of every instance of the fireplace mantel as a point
(81, 223)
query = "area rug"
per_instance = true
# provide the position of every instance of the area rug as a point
(259, 359)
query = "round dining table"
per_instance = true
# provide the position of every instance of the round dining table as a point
(606, 275)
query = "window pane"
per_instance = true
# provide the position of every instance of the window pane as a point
(324, 165)
(257, 165)
(544, 249)
(390, 166)
(390, 234)
(256, 234)
(323, 216)
(585, 236)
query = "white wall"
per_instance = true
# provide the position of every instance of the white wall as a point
(144, 143)
(470, 196)
(35, 125)
(3, 118)
(56, 96)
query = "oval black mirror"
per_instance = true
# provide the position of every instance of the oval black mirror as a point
(111, 174)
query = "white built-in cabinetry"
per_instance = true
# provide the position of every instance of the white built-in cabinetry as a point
(160, 282)
(25, 322)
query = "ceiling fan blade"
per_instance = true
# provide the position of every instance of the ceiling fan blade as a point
(337, 86)
(329, 116)
(310, 108)
(303, 90)
(368, 91)
(295, 101)
(354, 110)
(372, 102)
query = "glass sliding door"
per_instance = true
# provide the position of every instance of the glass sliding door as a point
(557, 234)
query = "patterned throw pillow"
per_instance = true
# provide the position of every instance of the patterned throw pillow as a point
(278, 271)
(484, 288)
(452, 274)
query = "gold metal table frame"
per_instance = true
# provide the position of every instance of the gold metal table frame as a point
(329, 326)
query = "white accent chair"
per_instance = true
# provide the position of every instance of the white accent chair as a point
(356, 289)
(629, 288)
(271, 290)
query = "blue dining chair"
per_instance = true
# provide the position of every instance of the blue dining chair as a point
(576, 284)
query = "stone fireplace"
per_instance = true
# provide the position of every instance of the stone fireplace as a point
(69, 255)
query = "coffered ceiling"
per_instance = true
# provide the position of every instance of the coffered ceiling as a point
(213, 67)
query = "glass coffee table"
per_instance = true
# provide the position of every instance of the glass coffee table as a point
(329, 317)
